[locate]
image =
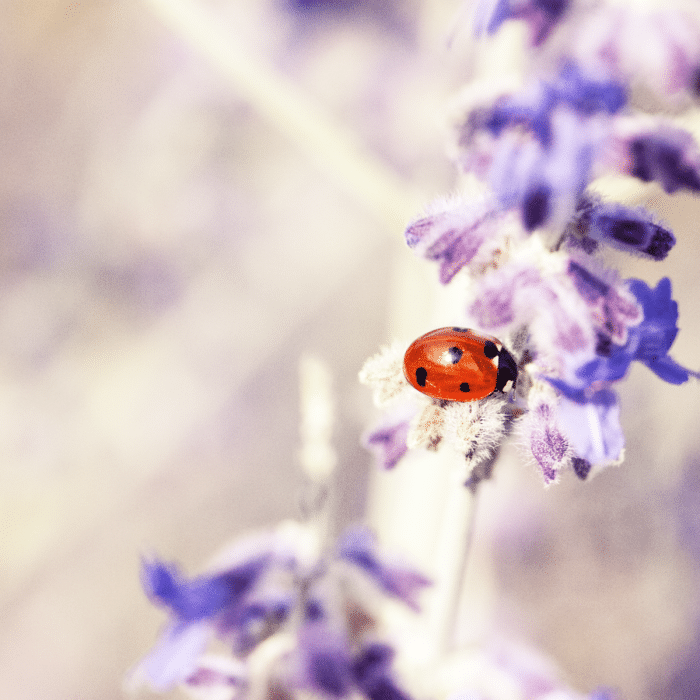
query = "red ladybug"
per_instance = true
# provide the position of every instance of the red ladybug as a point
(458, 364)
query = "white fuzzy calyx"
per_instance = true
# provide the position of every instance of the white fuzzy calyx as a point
(384, 373)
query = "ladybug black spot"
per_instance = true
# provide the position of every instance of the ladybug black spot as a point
(490, 349)
(464, 387)
(421, 376)
(455, 355)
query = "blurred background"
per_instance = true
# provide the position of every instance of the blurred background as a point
(171, 243)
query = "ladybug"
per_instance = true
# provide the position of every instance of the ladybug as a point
(459, 364)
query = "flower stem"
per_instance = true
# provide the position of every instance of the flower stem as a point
(453, 548)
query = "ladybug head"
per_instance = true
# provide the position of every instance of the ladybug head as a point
(507, 371)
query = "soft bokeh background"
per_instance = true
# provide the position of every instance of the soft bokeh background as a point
(168, 253)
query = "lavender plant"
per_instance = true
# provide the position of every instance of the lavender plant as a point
(532, 243)
(295, 616)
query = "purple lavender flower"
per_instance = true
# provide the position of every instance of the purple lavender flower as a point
(572, 89)
(328, 665)
(388, 443)
(541, 16)
(543, 143)
(324, 654)
(250, 602)
(548, 444)
(203, 597)
(593, 430)
(199, 607)
(612, 308)
(667, 156)
(358, 546)
(631, 230)
(175, 656)
(545, 181)
(455, 233)
(372, 673)
(649, 342)
(589, 412)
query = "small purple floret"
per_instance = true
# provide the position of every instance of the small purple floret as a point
(648, 342)
(541, 15)
(588, 97)
(664, 160)
(581, 467)
(593, 427)
(451, 237)
(372, 673)
(330, 668)
(204, 596)
(329, 672)
(389, 443)
(571, 88)
(631, 230)
(357, 546)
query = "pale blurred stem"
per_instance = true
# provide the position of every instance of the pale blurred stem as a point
(454, 546)
(334, 149)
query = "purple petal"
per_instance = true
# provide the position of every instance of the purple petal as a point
(612, 309)
(388, 443)
(202, 597)
(669, 158)
(325, 660)
(648, 342)
(372, 673)
(357, 545)
(328, 672)
(490, 14)
(631, 230)
(217, 672)
(453, 235)
(588, 96)
(604, 694)
(496, 305)
(536, 206)
(174, 658)
(549, 447)
(669, 370)
(255, 621)
(593, 428)
(658, 330)
(541, 15)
